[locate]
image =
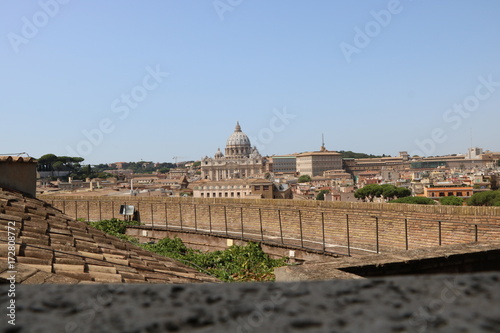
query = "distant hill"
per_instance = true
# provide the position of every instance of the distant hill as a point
(351, 154)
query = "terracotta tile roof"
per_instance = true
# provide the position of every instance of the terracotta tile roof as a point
(17, 159)
(49, 241)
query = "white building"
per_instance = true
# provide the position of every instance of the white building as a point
(241, 160)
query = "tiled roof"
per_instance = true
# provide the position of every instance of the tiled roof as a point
(52, 242)
(17, 159)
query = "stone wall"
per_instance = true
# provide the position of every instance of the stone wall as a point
(340, 227)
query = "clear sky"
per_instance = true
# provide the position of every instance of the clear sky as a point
(130, 80)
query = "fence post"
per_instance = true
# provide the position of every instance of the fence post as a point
(281, 229)
(210, 218)
(180, 215)
(376, 232)
(113, 208)
(241, 220)
(100, 211)
(347, 231)
(300, 226)
(64, 206)
(439, 231)
(475, 232)
(195, 220)
(166, 216)
(225, 218)
(406, 233)
(152, 217)
(260, 221)
(323, 229)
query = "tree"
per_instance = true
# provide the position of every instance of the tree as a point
(369, 192)
(45, 162)
(388, 191)
(304, 179)
(163, 170)
(451, 201)
(402, 192)
(414, 200)
(321, 194)
(486, 198)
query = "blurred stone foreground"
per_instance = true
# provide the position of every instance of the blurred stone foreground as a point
(426, 303)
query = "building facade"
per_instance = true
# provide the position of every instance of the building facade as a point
(317, 162)
(283, 164)
(240, 160)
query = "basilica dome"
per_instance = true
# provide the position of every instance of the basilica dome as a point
(238, 144)
(238, 138)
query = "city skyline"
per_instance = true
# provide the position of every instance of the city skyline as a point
(132, 82)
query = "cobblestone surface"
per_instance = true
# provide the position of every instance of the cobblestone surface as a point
(438, 303)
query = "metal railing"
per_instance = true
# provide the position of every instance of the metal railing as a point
(330, 231)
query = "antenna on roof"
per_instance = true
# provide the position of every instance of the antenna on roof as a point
(322, 142)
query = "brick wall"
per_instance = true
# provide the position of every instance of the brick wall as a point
(311, 224)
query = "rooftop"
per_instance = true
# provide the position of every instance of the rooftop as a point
(49, 241)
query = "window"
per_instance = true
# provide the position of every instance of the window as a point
(257, 187)
(202, 194)
(220, 194)
(232, 194)
(459, 194)
(441, 194)
(226, 194)
(238, 194)
(208, 195)
(265, 187)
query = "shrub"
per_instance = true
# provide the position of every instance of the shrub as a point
(115, 227)
(451, 201)
(237, 263)
(304, 179)
(486, 198)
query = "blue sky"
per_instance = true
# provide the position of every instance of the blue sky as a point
(375, 77)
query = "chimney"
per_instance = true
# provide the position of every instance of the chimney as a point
(19, 174)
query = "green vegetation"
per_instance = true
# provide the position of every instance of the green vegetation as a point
(350, 154)
(486, 198)
(414, 200)
(321, 194)
(73, 166)
(116, 228)
(304, 179)
(387, 191)
(76, 170)
(237, 263)
(451, 201)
